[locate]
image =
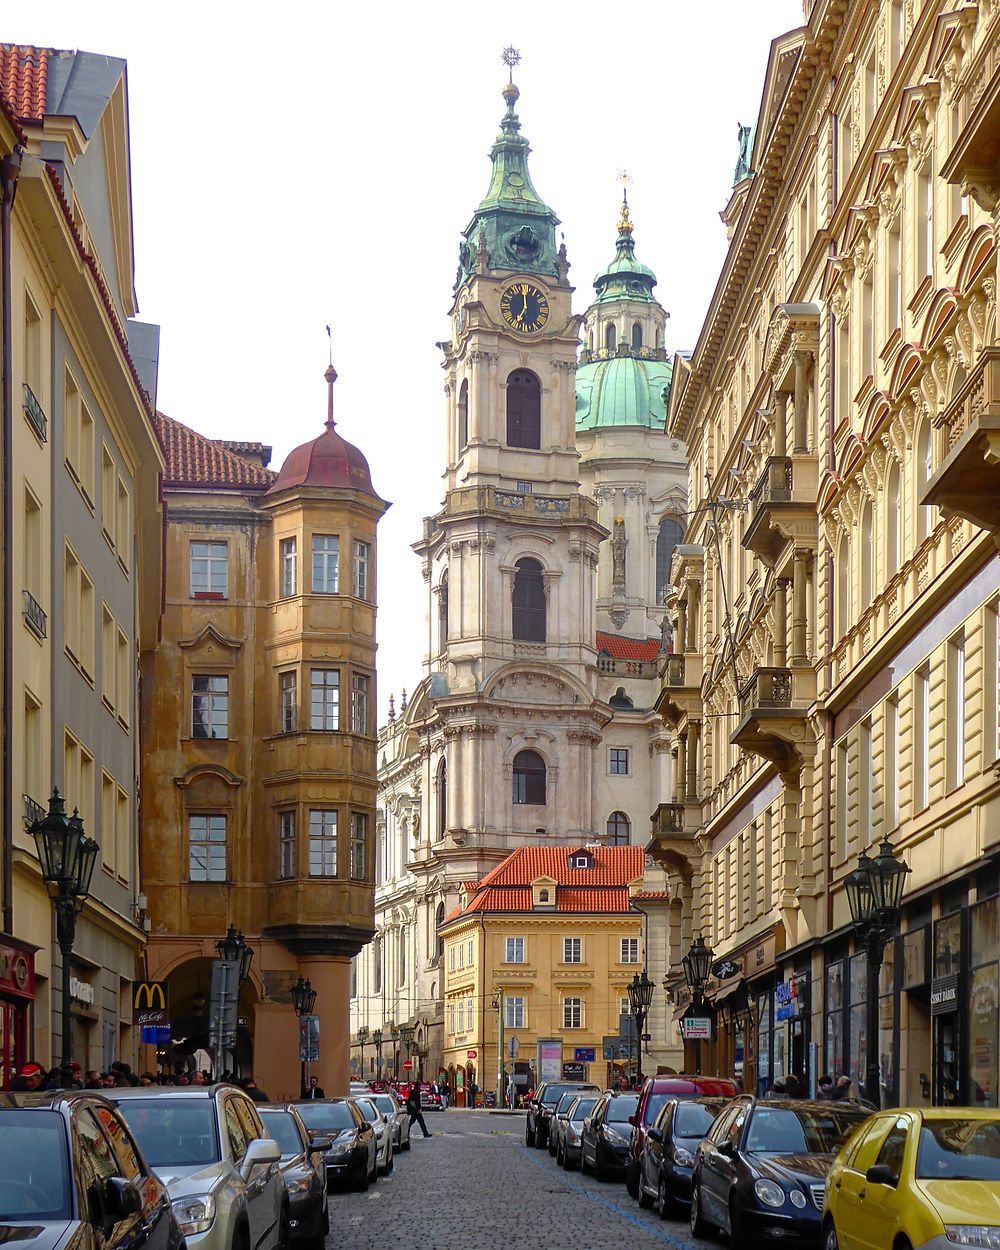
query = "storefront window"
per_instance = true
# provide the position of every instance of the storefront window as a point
(857, 1057)
(886, 1025)
(984, 1014)
(835, 1018)
(984, 931)
(948, 946)
(763, 1043)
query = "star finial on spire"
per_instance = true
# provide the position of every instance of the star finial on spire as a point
(625, 221)
(511, 57)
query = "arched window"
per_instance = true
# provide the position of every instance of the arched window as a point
(438, 922)
(844, 586)
(636, 335)
(528, 602)
(529, 778)
(610, 336)
(659, 339)
(441, 786)
(377, 962)
(590, 341)
(443, 611)
(893, 521)
(925, 468)
(402, 957)
(866, 555)
(619, 828)
(669, 535)
(524, 410)
(463, 415)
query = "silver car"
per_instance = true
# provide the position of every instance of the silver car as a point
(396, 1114)
(208, 1146)
(384, 1131)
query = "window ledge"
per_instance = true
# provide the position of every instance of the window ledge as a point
(210, 595)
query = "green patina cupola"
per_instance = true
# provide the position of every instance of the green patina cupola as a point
(625, 277)
(513, 228)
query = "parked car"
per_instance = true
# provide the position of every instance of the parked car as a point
(396, 1114)
(541, 1107)
(430, 1098)
(560, 1109)
(763, 1167)
(931, 1176)
(654, 1093)
(71, 1173)
(304, 1173)
(210, 1149)
(352, 1154)
(385, 1132)
(669, 1149)
(604, 1142)
(571, 1128)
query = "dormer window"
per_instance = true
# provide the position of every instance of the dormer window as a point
(543, 892)
(543, 896)
(581, 859)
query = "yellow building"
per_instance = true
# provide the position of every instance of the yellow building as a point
(259, 739)
(542, 950)
(836, 597)
(81, 546)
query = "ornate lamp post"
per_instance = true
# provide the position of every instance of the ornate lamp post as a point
(394, 1038)
(363, 1036)
(67, 857)
(874, 894)
(640, 995)
(233, 947)
(233, 950)
(303, 1000)
(406, 1033)
(697, 965)
(377, 1041)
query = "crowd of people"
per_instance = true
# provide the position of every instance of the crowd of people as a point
(32, 1077)
(828, 1089)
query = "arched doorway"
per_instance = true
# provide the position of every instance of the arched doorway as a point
(189, 1010)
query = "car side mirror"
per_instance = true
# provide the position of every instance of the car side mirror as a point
(632, 1120)
(655, 1134)
(882, 1174)
(260, 1152)
(320, 1143)
(121, 1199)
(726, 1148)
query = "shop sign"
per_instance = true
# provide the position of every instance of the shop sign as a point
(761, 957)
(574, 1072)
(549, 1058)
(944, 996)
(585, 1054)
(786, 1000)
(696, 1029)
(82, 991)
(17, 971)
(471, 1054)
(726, 968)
(149, 1004)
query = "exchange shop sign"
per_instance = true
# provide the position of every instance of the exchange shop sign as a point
(696, 1029)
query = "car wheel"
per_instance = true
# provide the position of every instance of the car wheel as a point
(698, 1226)
(388, 1160)
(664, 1202)
(584, 1165)
(553, 1145)
(600, 1172)
(361, 1181)
(373, 1174)
(830, 1241)
(632, 1178)
(529, 1135)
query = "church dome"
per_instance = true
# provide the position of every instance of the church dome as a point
(625, 390)
(328, 461)
(625, 277)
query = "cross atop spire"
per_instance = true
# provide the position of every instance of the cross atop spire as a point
(511, 57)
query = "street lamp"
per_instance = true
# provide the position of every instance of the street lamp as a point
(406, 1033)
(67, 857)
(377, 1040)
(874, 894)
(233, 948)
(697, 965)
(303, 1000)
(363, 1036)
(394, 1038)
(640, 995)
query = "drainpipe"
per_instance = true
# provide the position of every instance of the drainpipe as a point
(10, 167)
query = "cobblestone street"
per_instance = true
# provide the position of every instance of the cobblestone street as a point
(475, 1184)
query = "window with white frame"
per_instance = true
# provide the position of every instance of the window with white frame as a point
(469, 949)
(322, 843)
(324, 699)
(209, 570)
(451, 959)
(572, 950)
(461, 955)
(618, 761)
(513, 950)
(288, 693)
(359, 703)
(629, 952)
(461, 1015)
(359, 846)
(209, 706)
(325, 564)
(362, 562)
(572, 1013)
(206, 847)
(289, 562)
(286, 845)
(513, 1012)
(451, 1018)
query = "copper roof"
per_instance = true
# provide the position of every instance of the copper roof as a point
(23, 79)
(620, 648)
(196, 461)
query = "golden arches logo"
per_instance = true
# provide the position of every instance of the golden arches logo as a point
(150, 996)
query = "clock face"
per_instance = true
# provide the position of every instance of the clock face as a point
(524, 308)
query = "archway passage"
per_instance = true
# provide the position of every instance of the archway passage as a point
(191, 1034)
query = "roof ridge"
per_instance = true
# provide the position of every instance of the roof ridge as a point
(194, 459)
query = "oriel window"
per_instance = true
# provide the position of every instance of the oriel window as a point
(359, 704)
(286, 845)
(359, 846)
(362, 561)
(322, 843)
(289, 559)
(325, 564)
(324, 699)
(288, 690)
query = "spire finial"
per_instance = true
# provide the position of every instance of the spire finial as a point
(331, 377)
(511, 57)
(625, 220)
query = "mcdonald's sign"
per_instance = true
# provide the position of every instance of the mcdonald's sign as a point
(149, 1003)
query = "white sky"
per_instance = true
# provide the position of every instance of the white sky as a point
(299, 164)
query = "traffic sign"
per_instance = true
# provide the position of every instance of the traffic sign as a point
(514, 1047)
(407, 1065)
(308, 1039)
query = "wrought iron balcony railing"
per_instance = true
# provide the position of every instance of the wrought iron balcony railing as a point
(775, 483)
(33, 411)
(34, 614)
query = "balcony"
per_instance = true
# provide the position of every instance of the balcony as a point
(681, 691)
(34, 614)
(967, 482)
(783, 507)
(672, 835)
(33, 411)
(608, 666)
(774, 705)
(32, 811)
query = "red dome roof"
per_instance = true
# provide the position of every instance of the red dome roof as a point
(327, 461)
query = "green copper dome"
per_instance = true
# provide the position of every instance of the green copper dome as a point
(625, 277)
(626, 390)
(513, 223)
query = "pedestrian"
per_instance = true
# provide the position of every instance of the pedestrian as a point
(257, 1094)
(314, 1092)
(28, 1079)
(445, 1095)
(777, 1091)
(414, 1111)
(473, 1090)
(825, 1091)
(146, 1079)
(793, 1087)
(842, 1089)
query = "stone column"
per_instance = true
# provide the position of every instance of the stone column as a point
(691, 785)
(801, 442)
(331, 979)
(690, 641)
(781, 423)
(681, 625)
(675, 774)
(681, 770)
(781, 623)
(800, 573)
(453, 780)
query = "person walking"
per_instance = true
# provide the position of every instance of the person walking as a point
(314, 1093)
(413, 1109)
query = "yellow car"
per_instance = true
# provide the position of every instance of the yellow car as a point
(917, 1179)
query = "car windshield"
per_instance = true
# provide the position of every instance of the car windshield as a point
(551, 1095)
(326, 1115)
(173, 1132)
(34, 1178)
(654, 1105)
(564, 1102)
(694, 1119)
(367, 1109)
(282, 1127)
(384, 1103)
(796, 1131)
(582, 1108)
(959, 1150)
(620, 1108)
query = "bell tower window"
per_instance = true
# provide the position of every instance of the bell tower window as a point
(636, 336)
(529, 778)
(610, 337)
(443, 612)
(528, 602)
(524, 410)
(463, 415)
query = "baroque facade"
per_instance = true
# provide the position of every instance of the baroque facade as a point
(533, 724)
(837, 588)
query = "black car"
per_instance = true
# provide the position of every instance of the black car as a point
(70, 1171)
(543, 1105)
(304, 1172)
(763, 1167)
(352, 1154)
(669, 1148)
(604, 1142)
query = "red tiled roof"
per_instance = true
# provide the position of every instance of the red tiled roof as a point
(613, 865)
(652, 896)
(620, 648)
(23, 79)
(194, 460)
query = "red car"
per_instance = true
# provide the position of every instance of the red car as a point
(655, 1092)
(430, 1100)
